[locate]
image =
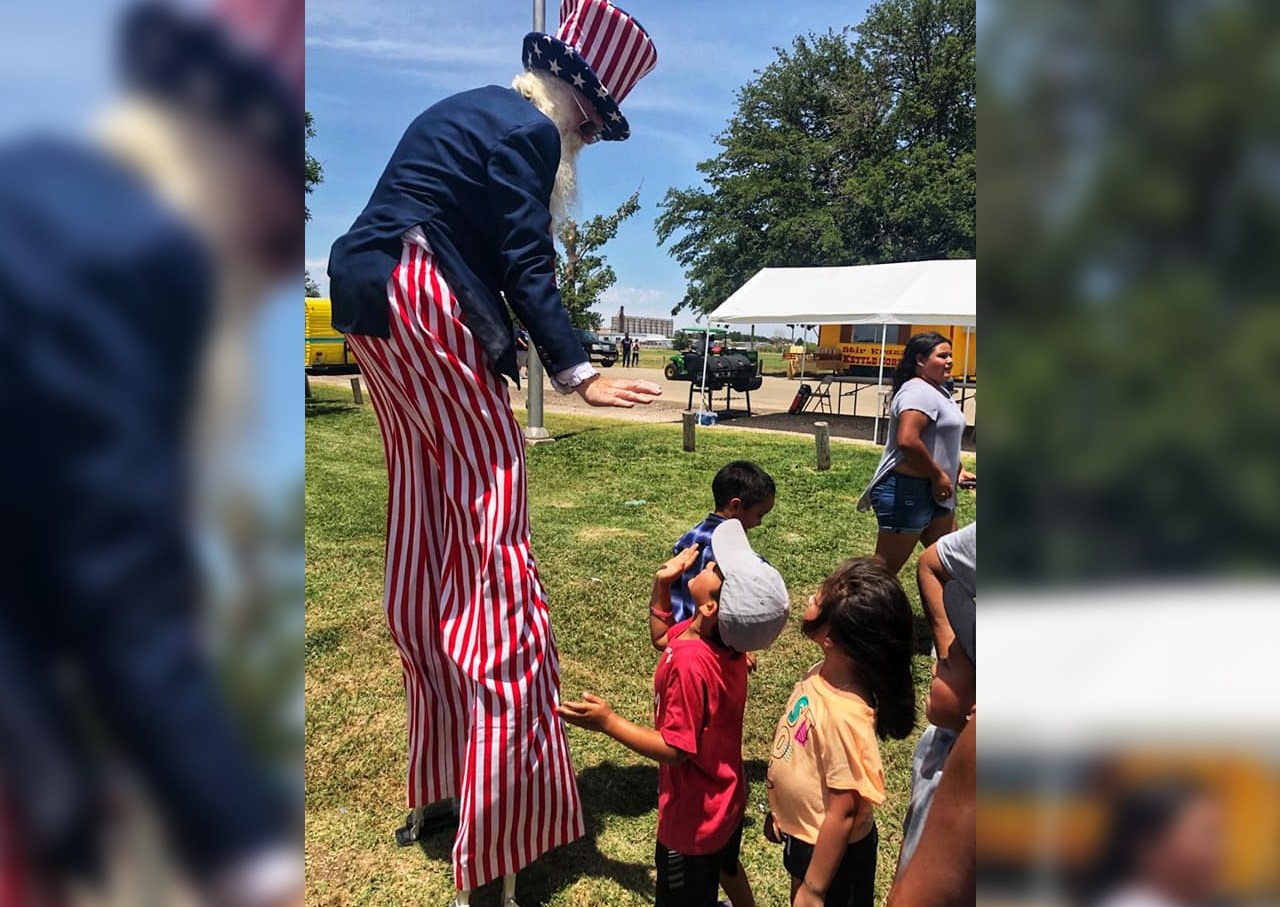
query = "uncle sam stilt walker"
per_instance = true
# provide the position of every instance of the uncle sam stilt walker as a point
(459, 227)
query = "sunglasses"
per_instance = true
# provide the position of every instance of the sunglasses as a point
(589, 129)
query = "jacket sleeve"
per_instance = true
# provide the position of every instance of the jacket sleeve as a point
(111, 372)
(521, 172)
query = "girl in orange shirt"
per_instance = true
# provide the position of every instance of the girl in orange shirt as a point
(825, 776)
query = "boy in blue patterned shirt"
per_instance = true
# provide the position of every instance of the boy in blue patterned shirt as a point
(742, 491)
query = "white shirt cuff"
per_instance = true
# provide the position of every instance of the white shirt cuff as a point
(567, 380)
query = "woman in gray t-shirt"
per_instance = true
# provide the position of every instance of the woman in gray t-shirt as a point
(913, 489)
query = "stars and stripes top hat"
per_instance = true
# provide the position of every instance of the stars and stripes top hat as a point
(600, 50)
(240, 62)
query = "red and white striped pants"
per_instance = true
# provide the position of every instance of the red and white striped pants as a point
(463, 598)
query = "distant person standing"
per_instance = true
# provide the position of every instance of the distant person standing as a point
(913, 489)
(626, 350)
(522, 352)
(635, 353)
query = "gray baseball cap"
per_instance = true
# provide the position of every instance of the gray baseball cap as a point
(753, 599)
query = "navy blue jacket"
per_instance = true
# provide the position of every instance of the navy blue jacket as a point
(104, 297)
(475, 171)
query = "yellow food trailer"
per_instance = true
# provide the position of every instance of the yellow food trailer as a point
(326, 349)
(856, 348)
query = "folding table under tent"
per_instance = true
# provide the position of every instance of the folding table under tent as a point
(908, 292)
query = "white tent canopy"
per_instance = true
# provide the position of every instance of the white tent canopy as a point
(909, 292)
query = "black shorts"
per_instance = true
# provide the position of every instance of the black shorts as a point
(854, 884)
(694, 881)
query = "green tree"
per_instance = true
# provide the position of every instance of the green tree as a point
(313, 172)
(313, 176)
(581, 272)
(852, 147)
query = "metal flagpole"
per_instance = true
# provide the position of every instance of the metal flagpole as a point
(534, 430)
(875, 431)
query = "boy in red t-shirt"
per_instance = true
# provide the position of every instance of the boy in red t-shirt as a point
(700, 693)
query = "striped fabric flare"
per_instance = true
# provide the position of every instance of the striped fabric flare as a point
(463, 598)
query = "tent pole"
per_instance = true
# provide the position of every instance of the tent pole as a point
(965, 380)
(804, 347)
(875, 431)
(706, 344)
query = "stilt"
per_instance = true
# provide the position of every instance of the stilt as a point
(423, 821)
(412, 828)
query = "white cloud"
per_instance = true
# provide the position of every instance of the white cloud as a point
(639, 300)
(685, 146)
(318, 268)
(658, 101)
(418, 51)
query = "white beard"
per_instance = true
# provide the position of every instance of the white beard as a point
(564, 193)
(555, 99)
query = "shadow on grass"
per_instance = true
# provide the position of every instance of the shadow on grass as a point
(561, 436)
(606, 790)
(329, 408)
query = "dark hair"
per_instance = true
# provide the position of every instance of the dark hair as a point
(869, 619)
(744, 480)
(919, 346)
(1139, 816)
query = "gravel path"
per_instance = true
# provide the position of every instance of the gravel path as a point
(769, 406)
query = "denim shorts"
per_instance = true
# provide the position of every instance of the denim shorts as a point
(905, 504)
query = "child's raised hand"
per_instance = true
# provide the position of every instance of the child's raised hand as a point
(593, 713)
(672, 569)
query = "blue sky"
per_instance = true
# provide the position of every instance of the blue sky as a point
(373, 66)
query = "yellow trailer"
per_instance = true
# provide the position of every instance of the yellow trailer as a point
(857, 347)
(326, 349)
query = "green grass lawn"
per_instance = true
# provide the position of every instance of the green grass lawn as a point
(596, 554)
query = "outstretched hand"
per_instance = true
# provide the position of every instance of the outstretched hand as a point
(673, 569)
(623, 393)
(593, 713)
